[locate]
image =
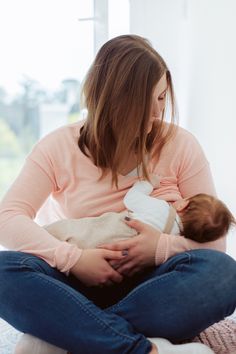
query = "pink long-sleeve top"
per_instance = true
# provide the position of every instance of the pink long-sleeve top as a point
(58, 181)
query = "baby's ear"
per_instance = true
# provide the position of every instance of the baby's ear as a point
(181, 204)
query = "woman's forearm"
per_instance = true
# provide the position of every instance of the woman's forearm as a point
(170, 245)
(19, 232)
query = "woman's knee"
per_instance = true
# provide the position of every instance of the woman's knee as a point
(16, 260)
(217, 271)
(9, 260)
(214, 262)
(10, 264)
(14, 263)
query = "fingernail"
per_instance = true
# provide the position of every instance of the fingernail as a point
(127, 218)
(125, 253)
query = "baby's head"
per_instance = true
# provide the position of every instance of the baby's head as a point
(204, 218)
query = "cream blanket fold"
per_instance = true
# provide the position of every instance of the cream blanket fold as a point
(92, 231)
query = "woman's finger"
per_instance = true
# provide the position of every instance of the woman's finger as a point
(133, 271)
(108, 254)
(114, 264)
(126, 268)
(139, 226)
(119, 246)
(115, 277)
(121, 262)
(107, 246)
(107, 283)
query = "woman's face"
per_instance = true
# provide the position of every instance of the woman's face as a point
(158, 101)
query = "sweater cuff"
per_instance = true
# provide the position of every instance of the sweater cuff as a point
(161, 248)
(66, 256)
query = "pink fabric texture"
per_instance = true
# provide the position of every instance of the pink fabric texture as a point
(220, 337)
(58, 181)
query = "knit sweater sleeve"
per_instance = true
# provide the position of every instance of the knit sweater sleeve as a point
(18, 231)
(194, 176)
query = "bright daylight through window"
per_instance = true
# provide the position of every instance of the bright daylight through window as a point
(45, 53)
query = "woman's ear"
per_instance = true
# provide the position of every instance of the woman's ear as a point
(181, 204)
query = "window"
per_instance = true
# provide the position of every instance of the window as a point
(46, 50)
(45, 53)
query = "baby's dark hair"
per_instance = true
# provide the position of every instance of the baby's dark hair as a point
(206, 218)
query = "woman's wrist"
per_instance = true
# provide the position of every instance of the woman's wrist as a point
(160, 253)
(74, 268)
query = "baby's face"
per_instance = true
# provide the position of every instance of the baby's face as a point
(180, 204)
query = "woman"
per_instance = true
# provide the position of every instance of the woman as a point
(112, 299)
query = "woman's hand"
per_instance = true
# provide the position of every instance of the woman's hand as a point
(93, 268)
(141, 249)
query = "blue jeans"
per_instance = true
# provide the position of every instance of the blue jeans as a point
(175, 300)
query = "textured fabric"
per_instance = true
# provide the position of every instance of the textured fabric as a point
(221, 337)
(153, 211)
(93, 231)
(58, 181)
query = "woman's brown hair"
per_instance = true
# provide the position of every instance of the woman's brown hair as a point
(118, 92)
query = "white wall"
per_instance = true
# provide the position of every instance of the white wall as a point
(212, 95)
(163, 22)
(197, 40)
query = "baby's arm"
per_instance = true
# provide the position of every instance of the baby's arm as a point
(137, 198)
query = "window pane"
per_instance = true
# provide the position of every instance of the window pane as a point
(45, 53)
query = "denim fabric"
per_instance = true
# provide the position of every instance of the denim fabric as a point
(176, 300)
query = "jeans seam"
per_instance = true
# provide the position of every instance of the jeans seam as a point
(140, 288)
(32, 258)
(189, 261)
(90, 313)
(24, 260)
(189, 257)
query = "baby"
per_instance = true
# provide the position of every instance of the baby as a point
(201, 218)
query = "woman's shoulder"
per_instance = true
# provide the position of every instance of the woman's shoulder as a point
(183, 140)
(61, 138)
(185, 151)
(183, 134)
(181, 158)
(67, 131)
(58, 145)
(182, 149)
